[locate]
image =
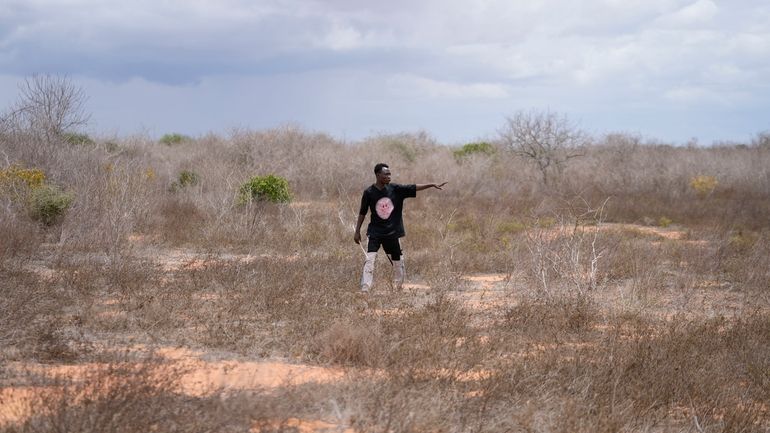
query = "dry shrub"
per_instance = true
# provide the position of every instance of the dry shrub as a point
(19, 237)
(260, 305)
(433, 342)
(401, 405)
(181, 220)
(704, 366)
(32, 324)
(352, 343)
(745, 259)
(638, 374)
(131, 396)
(55, 340)
(553, 317)
(635, 257)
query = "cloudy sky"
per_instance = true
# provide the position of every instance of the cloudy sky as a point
(663, 69)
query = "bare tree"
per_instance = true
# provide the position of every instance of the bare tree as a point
(50, 105)
(762, 139)
(546, 139)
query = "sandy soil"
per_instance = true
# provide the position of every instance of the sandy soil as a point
(199, 378)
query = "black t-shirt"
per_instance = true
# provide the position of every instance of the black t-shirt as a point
(386, 206)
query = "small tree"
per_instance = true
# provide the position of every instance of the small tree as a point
(762, 139)
(548, 140)
(50, 105)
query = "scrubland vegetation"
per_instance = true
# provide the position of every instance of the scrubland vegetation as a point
(604, 284)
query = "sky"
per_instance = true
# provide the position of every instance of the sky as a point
(668, 70)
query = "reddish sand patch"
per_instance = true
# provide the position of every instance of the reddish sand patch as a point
(15, 402)
(204, 377)
(666, 233)
(300, 425)
(487, 291)
(198, 378)
(486, 281)
(416, 286)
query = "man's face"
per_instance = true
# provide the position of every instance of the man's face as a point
(383, 176)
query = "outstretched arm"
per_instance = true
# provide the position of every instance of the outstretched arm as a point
(422, 186)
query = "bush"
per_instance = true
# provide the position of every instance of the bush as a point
(703, 185)
(31, 177)
(265, 188)
(17, 183)
(77, 139)
(27, 188)
(664, 222)
(48, 203)
(185, 178)
(481, 147)
(171, 139)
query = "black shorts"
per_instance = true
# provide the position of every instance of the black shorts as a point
(392, 247)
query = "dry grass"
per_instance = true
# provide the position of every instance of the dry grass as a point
(602, 321)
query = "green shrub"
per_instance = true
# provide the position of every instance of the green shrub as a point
(265, 188)
(111, 146)
(48, 203)
(664, 222)
(171, 139)
(511, 226)
(77, 139)
(481, 147)
(407, 150)
(186, 178)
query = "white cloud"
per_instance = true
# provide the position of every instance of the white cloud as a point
(688, 95)
(411, 86)
(699, 12)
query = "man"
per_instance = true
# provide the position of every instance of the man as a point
(386, 201)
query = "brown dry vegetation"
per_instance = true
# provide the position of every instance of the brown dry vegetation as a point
(597, 320)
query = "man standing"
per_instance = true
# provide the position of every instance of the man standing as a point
(386, 202)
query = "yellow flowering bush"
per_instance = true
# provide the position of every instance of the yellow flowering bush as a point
(31, 177)
(28, 188)
(703, 185)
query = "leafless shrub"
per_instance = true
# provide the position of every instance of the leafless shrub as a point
(352, 343)
(19, 236)
(48, 107)
(399, 406)
(762, 139)
(568, 248)
(181, 220)
(51, 104)
(554, 317)
(661, 372)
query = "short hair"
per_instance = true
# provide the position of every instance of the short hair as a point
(378, 168)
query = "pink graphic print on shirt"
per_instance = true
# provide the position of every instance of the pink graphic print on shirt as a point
(384, 208)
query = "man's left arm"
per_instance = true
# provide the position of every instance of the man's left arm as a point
(422, 186)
